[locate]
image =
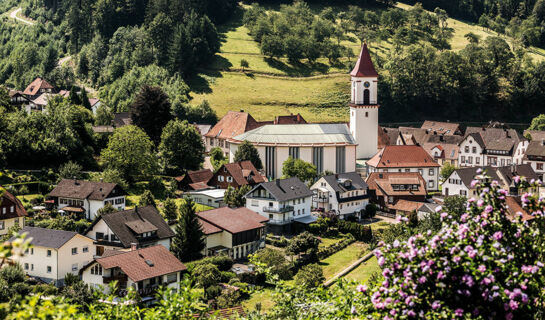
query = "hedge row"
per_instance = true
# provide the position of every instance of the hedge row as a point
(224, 263)
(335, 247)
(281, 243)
(360, 232)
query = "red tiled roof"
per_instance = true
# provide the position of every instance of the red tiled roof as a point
(513, 206)
(233, 220)
(405, 205)
(364, 66)
(448, 150)
(291, 119)
(9, 200)
(382, 183)
(135, 263)
(241, 170)
(402, 157)
(36, 85)
(93, 101)
(208, 228)
(446, 128)
(233, 124)
(194, 177)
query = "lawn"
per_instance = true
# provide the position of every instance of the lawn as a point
(133, 200)
(28, 197)
(264, 296)
(364, 271)
(329, 241)
(342, 259)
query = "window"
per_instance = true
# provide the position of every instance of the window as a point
(172, 277)
(229, 179)
(85, 249)
(4, 210)
(474, 150)
(32, 251)
(470, 159)
(270, 162)
(74, 267)
(539, 166)
(318, 158)
(32, 267)
(407, 170)
(431, 184)
(463, 159)
(463, 193)
(12, 209)
(96, 269)
(26, 266)
(255, 203)
(421, 172)
(367, 114)
(340, 159)
(74, 251)
(2, 226)
(99, 235)
(120, 201)
(467, 149)
(303, 212)
(294, 152)
(49, 253)
(221, 178)
(431, 172)
(477, 160)
(48, 269)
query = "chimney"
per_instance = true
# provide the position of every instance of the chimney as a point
(241, 110)
(277, 181)
(101, 180)
(76, 181)
(134, 246)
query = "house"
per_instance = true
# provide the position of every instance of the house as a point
(231, 125)
(459, 182)
(344, 193)
(39, 104)
(87, 197)
(386, 189)
(18, 99)
(37, 87)
(412, 136)
(95, 104)
(54, 254)
(234, 232)
(282, 202)
(387, 137)
(534, 135)
(195, 180)
(535, 156)
(143, 269)
(235, 175)
(209, 197)
(407, 158)
(494, 147)
(122, 119)
(442, 128)
(405, 207)
(328, 146)
(290, 119)
(443, 152)
(513, 205)
(12, 212)
(427, 209)
(203, 130)
(141, 227)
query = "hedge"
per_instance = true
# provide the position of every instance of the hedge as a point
(335, 247)
(281, 243)
(360, 232)
(224, 263)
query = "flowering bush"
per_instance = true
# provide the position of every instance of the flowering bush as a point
(485, 265)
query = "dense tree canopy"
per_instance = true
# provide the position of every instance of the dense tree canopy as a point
(151, 111)
(181, 148)
(247, 151)
(189, 241)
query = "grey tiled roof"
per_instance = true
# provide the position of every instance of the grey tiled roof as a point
(357, 181)
(285, 189)
(48, 238)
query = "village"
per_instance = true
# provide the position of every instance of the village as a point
(313, 188)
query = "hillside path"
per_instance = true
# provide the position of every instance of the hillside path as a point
(14, 14)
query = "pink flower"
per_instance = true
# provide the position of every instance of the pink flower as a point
(516, 179)
(436, 305)
(481, 268)
(497, 235)
(361, 288)
(459, 312)
(488, 209)
(353, 310)
(381, 261)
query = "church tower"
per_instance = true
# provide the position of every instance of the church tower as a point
(364, 106)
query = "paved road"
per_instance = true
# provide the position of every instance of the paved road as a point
(14, 14)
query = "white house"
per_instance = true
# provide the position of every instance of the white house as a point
(121, 230)
(407, 158)
(282, 202)
(343, 193)
(55, 253)
(234, 232)
(87, 197)
(494, 147)
(142, 269)
(12, 213)
(210, 197)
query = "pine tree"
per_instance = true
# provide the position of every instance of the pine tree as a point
(170, 210)
(147, 199)
(84, 99)
(74, 97)
(247, 151)
(189, 241)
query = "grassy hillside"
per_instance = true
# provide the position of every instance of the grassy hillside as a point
(274, 87)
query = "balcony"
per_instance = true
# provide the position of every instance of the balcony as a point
(278, 210)
(320, 199)
(121, 280)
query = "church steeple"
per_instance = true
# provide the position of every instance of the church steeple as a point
(364, 80)
(364, 66)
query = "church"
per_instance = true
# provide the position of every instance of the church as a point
(332, 147)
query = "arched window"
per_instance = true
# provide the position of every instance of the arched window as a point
(366, 96)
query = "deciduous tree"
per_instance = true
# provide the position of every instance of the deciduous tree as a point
(151, 111)
(247, 151)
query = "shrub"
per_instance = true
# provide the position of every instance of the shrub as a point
(226, 276)
(213, 291)
(370, 210)
(360, 232)
(224, 263)
(45, 289)
(280, 243)
(310, 276)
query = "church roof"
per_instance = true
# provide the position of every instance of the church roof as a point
(364, 67)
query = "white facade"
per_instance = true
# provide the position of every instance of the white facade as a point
(281, 154)
(473, 155)
(52, 264)
(212, 198)
(6, 224)
(454, 186)
(278, 212)
(325, 197)
(364, 116)
(92, 206)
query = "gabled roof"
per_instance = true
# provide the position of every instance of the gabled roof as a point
(402, 157)
(196, 180)
(291, 119)
(93, 101)
(387, 136)
(126, 224)
(35, 86)
(429, 207)
(232, 220)
(43, 99)
(122, 119)
(535, 134)
(405, 205)
(468, 174)
(285, 189)
(514, 206)
(364, 66)
(523, 170)
(202, 128)
(381, 183)
(143, 263)
(448, 151)
(9, 200)
(336, 181)
(496, 138)
(208, 228)
(82, 189)
(535, 148)
(233, 124)
(447, 128)
(48, 238)
(299, 135)
(241, 171)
